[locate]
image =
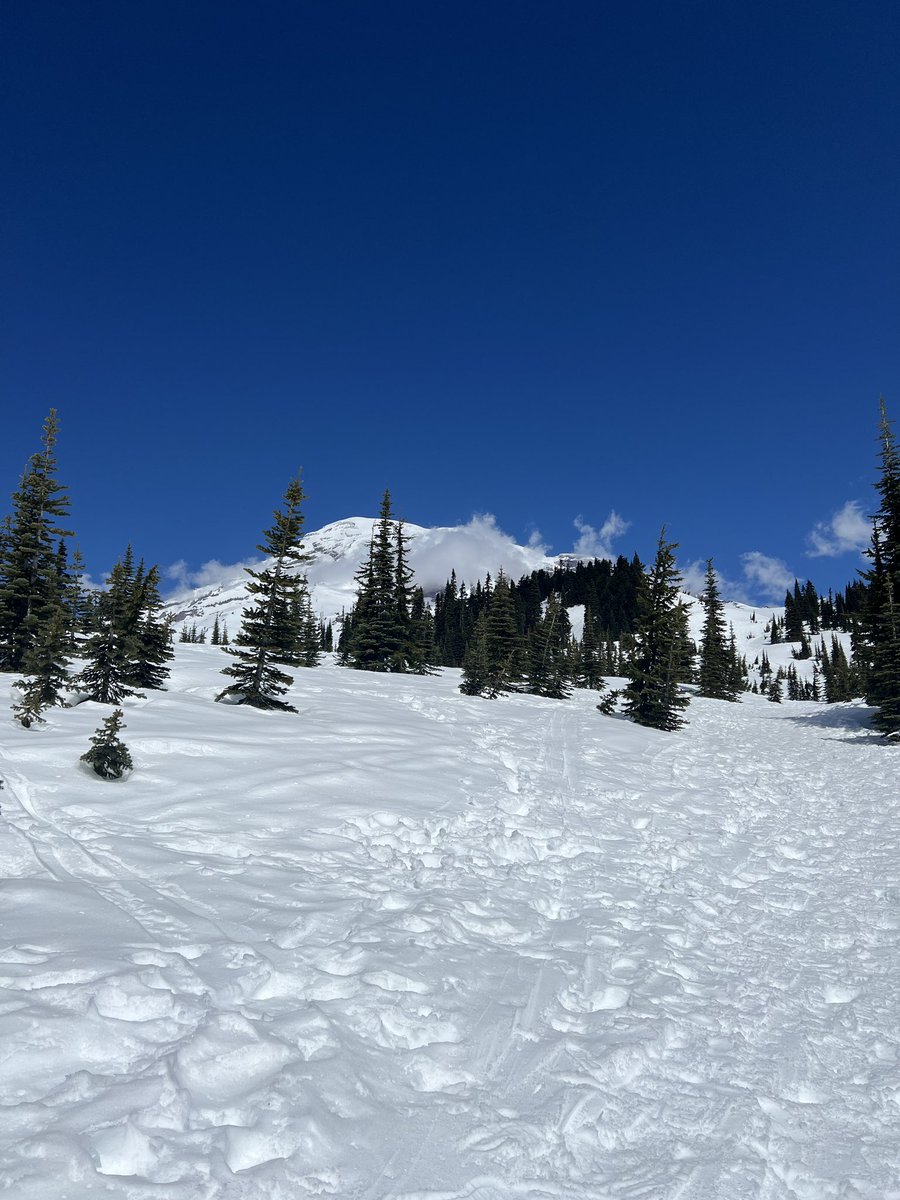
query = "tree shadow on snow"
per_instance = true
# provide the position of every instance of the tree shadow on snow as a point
(855, 720)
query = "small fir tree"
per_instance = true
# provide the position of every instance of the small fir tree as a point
(108, 756)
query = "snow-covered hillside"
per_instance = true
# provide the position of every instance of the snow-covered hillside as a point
(408, 944)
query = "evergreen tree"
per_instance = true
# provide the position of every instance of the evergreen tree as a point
(716, 674)
(794, 687)
(793, 614)
(31, 587)
(216, 635)
(493, 661)
(737, 666)
(270, 633)
(811, 607)
(478, 678)
(422, 629)
(149, 634)
(48, 673)
(111, 649)
(840, 678)
(652, 697)
(77, 602)
(590, 668)
(548, 662)
(878, 642)
(379, 634)
(308, 647)
(108, 756)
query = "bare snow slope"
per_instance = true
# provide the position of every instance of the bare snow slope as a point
(408, 944)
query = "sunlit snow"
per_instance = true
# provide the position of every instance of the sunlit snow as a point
(412, 944)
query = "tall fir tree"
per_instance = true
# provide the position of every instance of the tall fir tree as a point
(653, 697)
(270, 633)
(878, 640)
(32, 589)
(715, 676)
(379, 633)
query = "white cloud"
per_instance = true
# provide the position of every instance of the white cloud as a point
(178, 573)
(847, 531)
(472, 550)
(90, 584)
(209, 574)
(769, 575)
(693, 580)
(597, 543)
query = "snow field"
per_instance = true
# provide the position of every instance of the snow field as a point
(409, 944)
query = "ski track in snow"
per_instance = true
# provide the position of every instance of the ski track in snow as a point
(409, 945)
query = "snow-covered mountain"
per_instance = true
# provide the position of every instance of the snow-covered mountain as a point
(337, 551)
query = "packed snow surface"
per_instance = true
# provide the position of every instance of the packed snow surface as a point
(413, 945)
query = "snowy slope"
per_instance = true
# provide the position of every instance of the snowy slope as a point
(408, 944)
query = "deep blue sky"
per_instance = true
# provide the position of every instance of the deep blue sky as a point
(528, 259)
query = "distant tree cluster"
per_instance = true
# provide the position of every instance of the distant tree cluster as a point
(607, 590)
(517, 647)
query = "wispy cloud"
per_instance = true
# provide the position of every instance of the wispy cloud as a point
(769, 575)
(597, 543)
(208, 574)
(693, 580)
(473, 550)
(847, 531)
